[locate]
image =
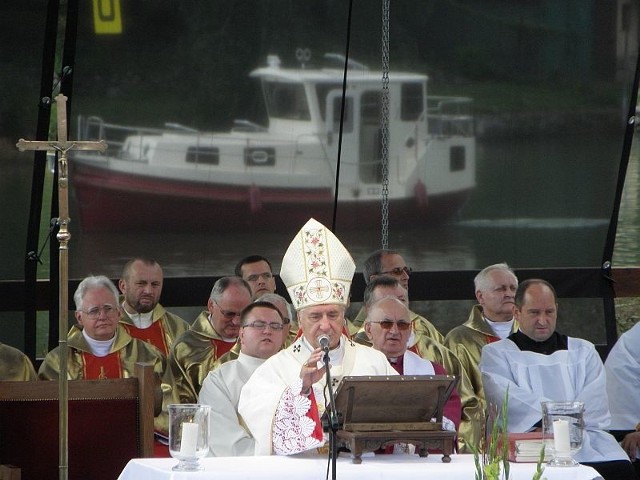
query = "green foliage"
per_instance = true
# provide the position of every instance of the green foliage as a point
(504, 433)
(494, 452)
(539, 467)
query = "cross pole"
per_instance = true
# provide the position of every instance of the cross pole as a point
(62, 146)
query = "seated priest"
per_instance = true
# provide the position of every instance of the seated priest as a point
(15, 365)
(389, 263)
(431, 351)
(283, 307)
(537, 364)
(213, 333)
(142, 314)
(262, 333)
(99, 346)
(388, 326)
(283, 401)
(623, 389)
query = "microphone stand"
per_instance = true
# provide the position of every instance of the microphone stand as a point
(333, 417)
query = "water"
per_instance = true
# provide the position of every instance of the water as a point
(539, 203)
(627, 253)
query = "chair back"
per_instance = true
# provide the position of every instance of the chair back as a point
(109, 422)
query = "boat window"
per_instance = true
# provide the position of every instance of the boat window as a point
(206, 155)
(457, 158)
(370, 108)
(370, 138)
(287, 100)
(412, 104)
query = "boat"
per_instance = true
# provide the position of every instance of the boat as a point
(178, 178)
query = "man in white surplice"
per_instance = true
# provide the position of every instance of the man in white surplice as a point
(623, 389)
(262, 333)
(283, 401)
(538, 364)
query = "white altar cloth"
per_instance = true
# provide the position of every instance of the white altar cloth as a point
(380, 467)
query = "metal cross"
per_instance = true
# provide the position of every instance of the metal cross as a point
(62, 146)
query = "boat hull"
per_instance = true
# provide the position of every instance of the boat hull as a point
(115, 201)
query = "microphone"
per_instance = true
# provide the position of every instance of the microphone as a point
(323, 341)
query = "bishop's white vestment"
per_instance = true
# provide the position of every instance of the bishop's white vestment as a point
(281, 420)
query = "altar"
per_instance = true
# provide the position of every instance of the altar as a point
(295, 467)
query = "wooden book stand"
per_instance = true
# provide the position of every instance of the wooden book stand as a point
(377, 411)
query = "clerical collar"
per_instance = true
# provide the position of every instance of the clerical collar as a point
(250, 360)
(100, 348)
(140, 320)
(397, 363)
(552, 344)
(501, 329)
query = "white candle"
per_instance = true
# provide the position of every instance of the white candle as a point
(561, 437)
(189, 439)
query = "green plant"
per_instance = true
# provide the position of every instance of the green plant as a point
(539, 467)
(491, 458)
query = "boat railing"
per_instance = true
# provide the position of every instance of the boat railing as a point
(450, 116)
(95, 128)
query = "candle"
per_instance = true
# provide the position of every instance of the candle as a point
(189, 439)
(561, 437)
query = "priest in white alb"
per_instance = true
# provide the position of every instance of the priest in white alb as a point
(283, 401)
(537, 364)
(623, 389)
(262, 334)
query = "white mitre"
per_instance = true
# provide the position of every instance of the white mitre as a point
(316, 268)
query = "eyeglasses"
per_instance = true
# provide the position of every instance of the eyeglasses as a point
(262, 325)
(256, 276)
(398, 271)
(227, 314)
(94, 312)
(388, 324)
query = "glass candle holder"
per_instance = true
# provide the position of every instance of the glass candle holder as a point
(188, 435)
(563, 428)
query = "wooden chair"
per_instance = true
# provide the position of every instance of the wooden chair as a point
(109, 422)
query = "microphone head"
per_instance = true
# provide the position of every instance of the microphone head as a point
(323, 340)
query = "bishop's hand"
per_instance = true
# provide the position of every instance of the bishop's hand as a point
(310, 373)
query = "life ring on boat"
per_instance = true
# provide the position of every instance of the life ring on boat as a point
(420, 192)
(255, 199)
